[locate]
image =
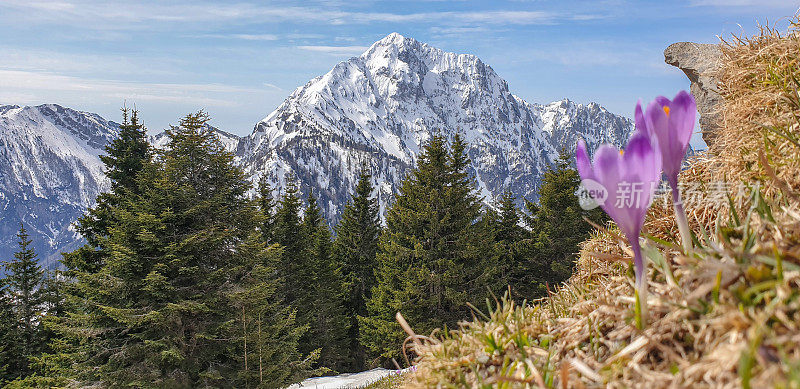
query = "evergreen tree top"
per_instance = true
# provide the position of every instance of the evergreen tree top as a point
(23, 273)
(364, 185)
(126, 158)
(195, 159)
(361, 216)
(312, 218)
(265, 191)
(126, 154)
(459, 161)
(192, 132)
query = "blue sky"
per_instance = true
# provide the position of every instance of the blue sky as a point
(239, 60)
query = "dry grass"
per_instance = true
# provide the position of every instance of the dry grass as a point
(389, 382)
(759, 80)
(727, 315)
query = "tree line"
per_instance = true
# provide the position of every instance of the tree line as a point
(187, 280)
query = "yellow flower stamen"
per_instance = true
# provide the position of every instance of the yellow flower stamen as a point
(621, 152)
(666, 110)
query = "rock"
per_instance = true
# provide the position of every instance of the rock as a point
(699, 62)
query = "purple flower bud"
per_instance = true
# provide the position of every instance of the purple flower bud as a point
(671, 122)
(630, 178)
(670, 125)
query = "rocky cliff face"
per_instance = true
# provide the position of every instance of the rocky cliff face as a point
(700, 62)
(376, 109)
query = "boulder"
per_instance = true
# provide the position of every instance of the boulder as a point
(699, 62)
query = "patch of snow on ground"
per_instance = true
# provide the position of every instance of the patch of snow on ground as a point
(348, 380)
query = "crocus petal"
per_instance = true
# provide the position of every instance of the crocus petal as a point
(656, 120)
(607, 169)
(639, 119)
(641, 158)
(671, 123)
(658, 123)
(663, 102)
(682, 117)
(643, 162)
(629, 177)
(582, 161)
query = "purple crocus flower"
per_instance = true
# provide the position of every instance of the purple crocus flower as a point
(630, 178)
(670, 123)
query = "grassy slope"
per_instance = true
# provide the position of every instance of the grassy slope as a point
(388, 382)
(726, 315)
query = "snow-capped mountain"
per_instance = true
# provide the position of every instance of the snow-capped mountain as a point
(50, 172)
(377, 109)
(381, 107)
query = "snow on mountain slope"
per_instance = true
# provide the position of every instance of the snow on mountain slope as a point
(50, 172)
(381, 107)
(377, 109)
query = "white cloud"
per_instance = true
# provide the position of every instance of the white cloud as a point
(336, 50)
(246, 37)
(16, 98)
(130, 15)
(304, 36)
(59, 6)
(506, 17)
(27, 83)
(747, 3)
(600, 54)
(272, 86)
(459, 30)
(42, 60)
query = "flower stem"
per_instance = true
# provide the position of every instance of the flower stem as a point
(680, 218)
(640, 292)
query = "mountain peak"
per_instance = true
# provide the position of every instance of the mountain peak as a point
(393, 39)
(391, 45)
(6, 108)
(382, 107)
(406, 48)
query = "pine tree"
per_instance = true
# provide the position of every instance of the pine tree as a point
(127, 154)
(290, 235)
(430, 260)
(312, 217)
(473, 244)
(52, 366)
(125, 158)
(355, 249)
(10, 353)
(162, 309)
(326, 311)
(266, 204)
(24, 280)
(557, 227)
(508, 229)
(268, 331)
(508, 237)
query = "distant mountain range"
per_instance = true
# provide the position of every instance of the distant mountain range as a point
(377, 109)
(50, 173)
